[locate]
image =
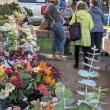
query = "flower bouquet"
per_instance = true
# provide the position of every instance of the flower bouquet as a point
(23, 80)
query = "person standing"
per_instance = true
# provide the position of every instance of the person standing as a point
(67, 18)
(54, 19)
(98, 19)
(62, 5)
(86, 22)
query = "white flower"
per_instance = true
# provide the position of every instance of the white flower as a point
(36, 69)
(9, 87)
(25, 99)
(44, 104)
(55, 100)
(3, 94)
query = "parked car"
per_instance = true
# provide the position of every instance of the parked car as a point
(107, 19)
(38, 8)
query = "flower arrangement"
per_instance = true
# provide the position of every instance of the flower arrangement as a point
(23, 82)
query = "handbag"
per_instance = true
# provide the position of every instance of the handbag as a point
(75, 30)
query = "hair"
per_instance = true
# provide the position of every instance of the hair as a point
(81, 5)
(93, 2)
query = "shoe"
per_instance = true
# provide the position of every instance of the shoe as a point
(54, 57)
(61, 58)
(76, 66)
(67, 54)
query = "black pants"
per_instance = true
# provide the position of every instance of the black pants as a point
(77, 50)
(96, 38)
(67, 46)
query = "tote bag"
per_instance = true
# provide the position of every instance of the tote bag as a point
(75, 30)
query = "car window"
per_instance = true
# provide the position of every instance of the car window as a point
(33, 1)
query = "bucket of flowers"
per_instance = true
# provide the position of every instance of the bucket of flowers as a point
(23, 82)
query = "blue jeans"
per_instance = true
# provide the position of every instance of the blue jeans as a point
(58, 40)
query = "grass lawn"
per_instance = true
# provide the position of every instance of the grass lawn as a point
(46, 45)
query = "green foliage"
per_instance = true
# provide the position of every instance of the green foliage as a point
(26, 77)
(8, 9)
(37, 105)
(84, 106)
(45, 44)
(29, 11)
(38, 79)
(64, 95)
(92, 99)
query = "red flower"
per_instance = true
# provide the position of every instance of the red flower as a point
(17, 81)
(42, 89)
(7, 70)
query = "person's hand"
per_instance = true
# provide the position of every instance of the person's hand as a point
(66, 17)
(52, 23)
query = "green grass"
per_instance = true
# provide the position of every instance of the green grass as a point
(46, 45)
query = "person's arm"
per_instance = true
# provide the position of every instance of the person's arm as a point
(91, 23)
(68, 17)
(102, 16)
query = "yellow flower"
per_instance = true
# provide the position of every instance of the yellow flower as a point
(52, 82)
(49, 72)
(1, 72)
(47, 79)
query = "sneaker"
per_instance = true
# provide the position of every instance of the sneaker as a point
(76, 66)
(54, 57)
(61, 57)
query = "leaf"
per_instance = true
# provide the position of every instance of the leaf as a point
(90, 83)
(37, 105)
(38, 79)
(62, 92)
(26, 82)
(88, 65)
(91, 59)
(99, 108)
(25, 75)
(94, 74)
(59, 105)
(65, 96)
(83, 93)
(84, 73)
(85, 106)
(91, 96)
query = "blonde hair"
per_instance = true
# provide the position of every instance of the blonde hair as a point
(81, 5)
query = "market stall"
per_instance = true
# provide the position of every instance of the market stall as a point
(106, 46)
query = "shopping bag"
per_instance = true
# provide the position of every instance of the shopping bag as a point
(75, 30)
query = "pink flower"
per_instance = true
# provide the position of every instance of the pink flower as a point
(42, 89)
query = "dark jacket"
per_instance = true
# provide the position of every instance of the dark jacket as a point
(52, 13)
